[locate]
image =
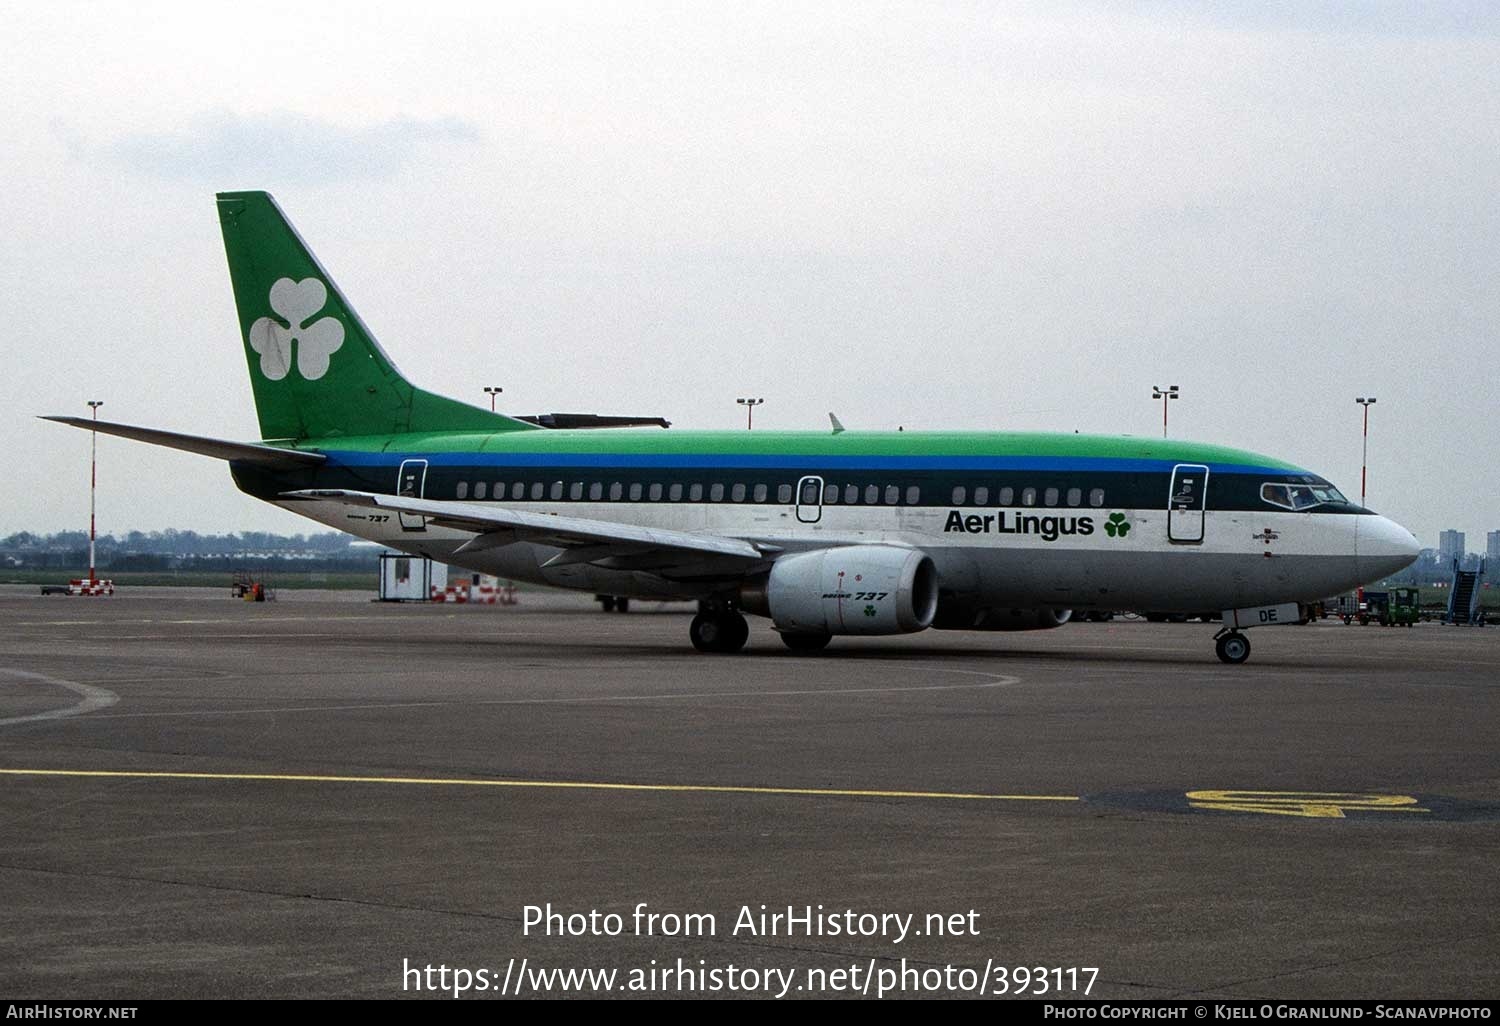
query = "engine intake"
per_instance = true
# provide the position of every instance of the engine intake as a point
(852, 589)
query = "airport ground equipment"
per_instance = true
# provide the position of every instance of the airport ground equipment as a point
(1345, 606)
(244, 585)
(408, 578)
(98, 586)
(1398, 608)
(1463, 597)
(1373, 607)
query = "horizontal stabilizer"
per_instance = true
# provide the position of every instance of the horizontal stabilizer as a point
(247, 452)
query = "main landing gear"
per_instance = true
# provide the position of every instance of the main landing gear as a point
(1231, 646)
(719, 630)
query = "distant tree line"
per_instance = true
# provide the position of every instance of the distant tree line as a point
(184, 550)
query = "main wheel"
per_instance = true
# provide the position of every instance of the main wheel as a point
(719, 632)
(739, 633)
(622, 605)
(608, 602)
(806, 642)
(1233, 648)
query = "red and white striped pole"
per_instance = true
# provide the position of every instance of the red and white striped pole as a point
(94, 405)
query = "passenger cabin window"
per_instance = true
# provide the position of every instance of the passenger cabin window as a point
(913, 495)
(536, 491)
(716, 492)
(1049, 497)
(830, 493)
(674, 493)
(982, 495)
(518, 490)
(481, 489)
(575, 490)
(872, 495)
(463, 490)
(556, 491)
(1096, 497)
(892, 495)
(616, 491)
(809, 493)
(960, 493)
(1075, 496)
(654, 494)
(1028, 496)
(635, 491)
(851, 494)
(695, 493)
(596, 491)
(784, 493)
(737, 493)
(760, 494)
(1007, 496)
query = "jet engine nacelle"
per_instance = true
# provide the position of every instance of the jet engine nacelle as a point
(853, 589)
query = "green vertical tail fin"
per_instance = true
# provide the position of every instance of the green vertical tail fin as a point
(316, 370)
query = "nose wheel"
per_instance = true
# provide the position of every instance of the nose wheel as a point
(719, 631)
(1232, 647)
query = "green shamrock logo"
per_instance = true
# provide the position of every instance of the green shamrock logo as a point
(1116, 526)
(869, 610)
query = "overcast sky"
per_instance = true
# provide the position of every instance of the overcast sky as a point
(966, 215)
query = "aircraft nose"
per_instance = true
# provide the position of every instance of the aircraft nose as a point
(1384, 548)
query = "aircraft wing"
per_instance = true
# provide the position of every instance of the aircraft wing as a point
(266, 455)
(603, 542)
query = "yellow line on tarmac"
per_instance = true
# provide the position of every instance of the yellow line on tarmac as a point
(571, 785)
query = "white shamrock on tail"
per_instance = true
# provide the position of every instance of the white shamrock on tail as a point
(296, 302)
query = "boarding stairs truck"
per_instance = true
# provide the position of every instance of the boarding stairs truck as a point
(1463, 597)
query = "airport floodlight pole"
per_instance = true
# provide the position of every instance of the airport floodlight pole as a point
(1164, 395)
(1364, 452)
(1364, 459)
(94, 405)
(492, 391)
(749, 405)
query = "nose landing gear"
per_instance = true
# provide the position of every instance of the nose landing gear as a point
(1231, 646)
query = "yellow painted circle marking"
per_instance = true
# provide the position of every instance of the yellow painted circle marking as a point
(1313, 804)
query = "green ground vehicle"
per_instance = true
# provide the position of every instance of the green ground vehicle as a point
(1400, 607)
(1404, 608)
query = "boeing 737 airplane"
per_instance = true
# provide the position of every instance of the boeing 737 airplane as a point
(831, 533)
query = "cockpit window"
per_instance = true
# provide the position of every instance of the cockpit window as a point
(1300, 496)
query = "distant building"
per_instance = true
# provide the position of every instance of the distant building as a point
(1492, 549)
(1450, 547)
